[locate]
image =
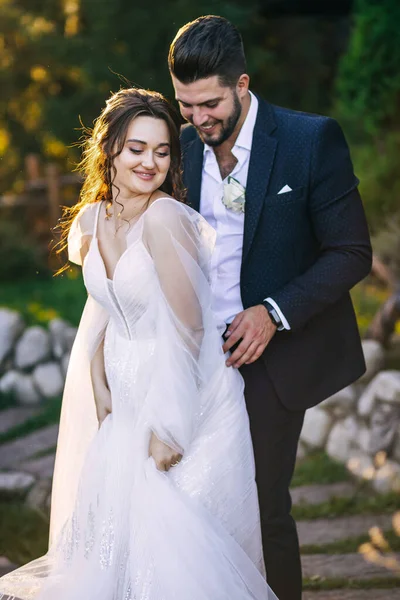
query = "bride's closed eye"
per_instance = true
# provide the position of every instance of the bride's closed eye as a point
(161, 154)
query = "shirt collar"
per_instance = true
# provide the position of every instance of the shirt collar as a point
(245, 137)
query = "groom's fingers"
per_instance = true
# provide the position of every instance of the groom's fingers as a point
(246, 356)
(235, 332)
(239, 352)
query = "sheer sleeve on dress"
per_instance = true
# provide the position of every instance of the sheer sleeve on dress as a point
(179, 242)
(81, 232)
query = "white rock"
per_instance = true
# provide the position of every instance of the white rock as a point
(387, 478)
(48, 379)
(317, 423)
(32, 348)
(15, 483)
(396, 445)
(361, 465)
(342, 439)
(374, 355)
(364, 439)
(62, 336)
(301, 451)
(56, 328)
(341, 403)
(383, 427)
(384, 387)
(11, 326)
(64, 363)
(8, 381)
(24, 390)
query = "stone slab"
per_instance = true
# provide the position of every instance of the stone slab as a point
(353, 595)
(326, 531)
(347, 566)
(319, 493)
(13, 453)
(41, 467)
(12, 417)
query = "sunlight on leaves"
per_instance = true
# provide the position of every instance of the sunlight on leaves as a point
(39, 73)
(53, 147)
(4, 140)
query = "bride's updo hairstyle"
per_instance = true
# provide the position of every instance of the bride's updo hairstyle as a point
(102, 144)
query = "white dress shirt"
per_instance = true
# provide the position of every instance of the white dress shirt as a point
(227, 257)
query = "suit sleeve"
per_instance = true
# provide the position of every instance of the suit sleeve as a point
(340, 226)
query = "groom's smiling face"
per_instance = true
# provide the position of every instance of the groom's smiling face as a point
(214, 109)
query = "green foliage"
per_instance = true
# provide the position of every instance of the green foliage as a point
(39, 301)
(369, 75)
(368, 92)
(386, 243)
(24, 533)
(319, 468)
(362, 503)
(21, 257)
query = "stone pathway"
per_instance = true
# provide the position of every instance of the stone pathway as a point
(326, 531)
(13, 453)
(317, 494)
(41, 467)
(12, 417)
(348, 566)
(353, 595)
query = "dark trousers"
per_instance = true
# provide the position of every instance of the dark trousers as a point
(275, 432)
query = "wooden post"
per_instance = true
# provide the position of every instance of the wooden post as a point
(32, 167)
(53, 193)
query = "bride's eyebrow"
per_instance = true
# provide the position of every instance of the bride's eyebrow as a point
(145, 143)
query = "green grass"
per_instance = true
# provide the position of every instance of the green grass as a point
(362, 503)
(381, 583)
(319, 468)
(351, 545)
(48, 416)
(40, 300)
(24, 533)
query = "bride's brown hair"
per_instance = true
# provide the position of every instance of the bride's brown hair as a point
(106, 141)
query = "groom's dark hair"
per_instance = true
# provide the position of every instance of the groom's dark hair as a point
(206, 47)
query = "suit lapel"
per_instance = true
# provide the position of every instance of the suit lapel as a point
(192, 171)
(261, 162)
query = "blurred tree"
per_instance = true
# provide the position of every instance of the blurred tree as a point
(368, 94)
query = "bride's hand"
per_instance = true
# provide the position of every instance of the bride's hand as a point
(164, 456)
(102, 397)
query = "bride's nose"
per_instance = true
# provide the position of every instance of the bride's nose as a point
(148, 160)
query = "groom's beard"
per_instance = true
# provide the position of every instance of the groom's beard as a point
(227, 127)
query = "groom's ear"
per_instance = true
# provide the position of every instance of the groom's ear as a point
(242, 86)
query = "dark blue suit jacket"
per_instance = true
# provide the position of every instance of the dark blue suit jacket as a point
(306, 248)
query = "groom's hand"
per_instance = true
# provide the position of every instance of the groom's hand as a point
(255, 329)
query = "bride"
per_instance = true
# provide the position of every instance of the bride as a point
(154, 496)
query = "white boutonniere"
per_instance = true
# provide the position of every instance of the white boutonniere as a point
(234, 196)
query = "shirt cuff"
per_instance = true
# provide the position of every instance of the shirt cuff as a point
(280, 313)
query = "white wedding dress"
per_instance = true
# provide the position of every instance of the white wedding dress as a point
(121, 529)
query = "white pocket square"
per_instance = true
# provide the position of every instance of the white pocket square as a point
(285, 189)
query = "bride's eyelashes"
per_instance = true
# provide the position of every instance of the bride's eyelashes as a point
(160, 154)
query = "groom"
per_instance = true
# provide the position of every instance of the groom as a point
(292, 240)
